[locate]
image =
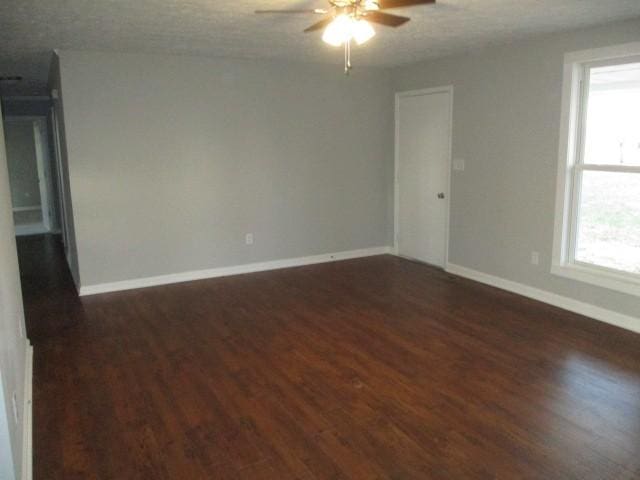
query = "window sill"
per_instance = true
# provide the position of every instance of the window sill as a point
(600, 277)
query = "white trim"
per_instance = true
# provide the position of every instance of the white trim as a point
(605, 53)
(609, 168)
(600, 276)
(30, 229)
(566, 157)
(566, 303)
(570, 169)
(226, 271)
(27, 433)
(396, 187)
(29, 208)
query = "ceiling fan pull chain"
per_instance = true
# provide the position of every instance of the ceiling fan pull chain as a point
(346, 70)
(347, 56)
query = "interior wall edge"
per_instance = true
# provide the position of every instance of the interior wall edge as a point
(13, 342)
(27, 436)
(55, 85)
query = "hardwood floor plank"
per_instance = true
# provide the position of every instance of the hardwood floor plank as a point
(376, 368)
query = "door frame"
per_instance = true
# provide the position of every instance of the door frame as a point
(396, 160)
(61, 180)
(43, 163)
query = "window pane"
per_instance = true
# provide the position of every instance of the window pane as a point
(609, 220)
(613, 116)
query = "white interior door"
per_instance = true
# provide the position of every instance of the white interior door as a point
(423, 145)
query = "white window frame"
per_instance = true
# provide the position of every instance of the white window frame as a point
(574, 96)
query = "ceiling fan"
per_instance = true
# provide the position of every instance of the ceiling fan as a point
(345, 21)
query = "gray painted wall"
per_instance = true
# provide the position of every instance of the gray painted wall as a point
(506, 127)
(13, 345)
(173, 160)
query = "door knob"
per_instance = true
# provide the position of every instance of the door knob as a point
(441, 195)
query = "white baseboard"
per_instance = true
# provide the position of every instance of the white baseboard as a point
(226, 271)
(566, 303)
(30, 229)
(27, 434)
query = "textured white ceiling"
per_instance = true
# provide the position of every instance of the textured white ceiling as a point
(31, 29)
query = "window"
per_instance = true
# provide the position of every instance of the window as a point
(597, 236)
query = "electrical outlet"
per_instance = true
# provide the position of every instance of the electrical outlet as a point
(14, 401)
(458, 164)
(248, 239)
(535, 258)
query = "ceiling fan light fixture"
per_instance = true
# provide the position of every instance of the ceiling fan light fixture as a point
(344, 28)
(345, 21)
(338, 31)
(362, 31)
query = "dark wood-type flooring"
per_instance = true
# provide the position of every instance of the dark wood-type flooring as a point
(376, 368)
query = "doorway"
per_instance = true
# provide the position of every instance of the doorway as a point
(30, 175)
(422, 174)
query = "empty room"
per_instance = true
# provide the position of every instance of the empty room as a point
(320, 239)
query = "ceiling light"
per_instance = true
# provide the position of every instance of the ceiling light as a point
(344, 28)
(338, 31)
(347, 20)
(362, 31)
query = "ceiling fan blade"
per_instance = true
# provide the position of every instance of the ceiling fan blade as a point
(319, 25)
(313, 10)
(386, 19)
(384, 4)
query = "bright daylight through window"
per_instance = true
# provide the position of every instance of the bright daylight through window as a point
(597, 236)
(608, 191)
